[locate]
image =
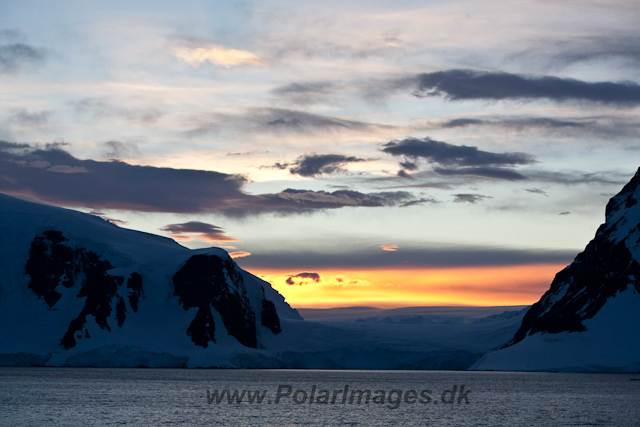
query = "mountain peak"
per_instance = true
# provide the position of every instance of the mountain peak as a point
(569, 319)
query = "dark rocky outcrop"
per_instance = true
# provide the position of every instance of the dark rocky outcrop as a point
(607, 266)
(202, 329)
(270, 317)
(208, 280)
(53, 262)
(135, 284)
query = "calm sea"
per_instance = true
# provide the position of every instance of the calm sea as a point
(156, 397)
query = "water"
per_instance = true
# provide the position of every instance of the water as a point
(156, 397)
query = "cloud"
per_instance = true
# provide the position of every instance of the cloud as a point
(281, 256)
(108, 219)
(249, 153)
(601, 126)
(403, 174)
(517, 123)
(571, 50)
(291, 201)
(305, 275)
(100, 108)
(319, 164)
(537, 191)
(306, 93)
(456, 159)
(116, 185)
(564, 213)
(18, 56)
(417, 202)
(56, 177)
(410, 166)
(449, 154)
(119, 149)
(459, 85)
(195, 229)
(469, 198)
(577, 177)
(277, 120)
(6, 145)
(195, 54)
(54, 145)
(239, 254)
(389, 248)
(24, 117)
(306, 45)
(486, 172)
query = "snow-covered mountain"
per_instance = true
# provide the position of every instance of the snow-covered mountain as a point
(589, 319)
(76, 290)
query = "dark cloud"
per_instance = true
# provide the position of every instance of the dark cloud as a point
(119, 149)
(455, 155)
(55, 145)
(537, 191)
(277, 120)
(99, 108)
(292, 201)
(190, 229)
(409, 257)
(421, 201)
(485, 172)
(469, 198)
(306, 93)
(116, 185)
(305, 275)
(318, 164)
(17, 56)
(518, 123)
(24, 117)
(436, 185)
(456, 159)
(410, 166)
(6, 145)
(459, 85)
(564, 213)
(56, 177)
(463, 122)
(603, 126)
(403, 174)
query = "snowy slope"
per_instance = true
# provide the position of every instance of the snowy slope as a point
(589, 318)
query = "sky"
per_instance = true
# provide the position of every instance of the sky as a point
(381, 153)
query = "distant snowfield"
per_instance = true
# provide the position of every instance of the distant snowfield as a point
(615, 326)
(457, 314)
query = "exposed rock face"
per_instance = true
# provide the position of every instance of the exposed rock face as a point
(608, 265)
(52, 262)
(208, 280)
(270, 316)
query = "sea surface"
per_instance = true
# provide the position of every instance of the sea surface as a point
(157, 397)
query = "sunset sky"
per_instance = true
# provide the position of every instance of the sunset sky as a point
(387, 153)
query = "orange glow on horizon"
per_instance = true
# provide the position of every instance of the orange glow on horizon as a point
(478, 286)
